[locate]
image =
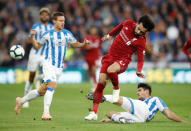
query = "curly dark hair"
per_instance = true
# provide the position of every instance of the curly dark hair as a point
(147, 22)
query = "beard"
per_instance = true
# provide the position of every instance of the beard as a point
(44, 20)
(135, 34)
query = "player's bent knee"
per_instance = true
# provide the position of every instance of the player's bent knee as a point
(41, 92)
(119, 102)
(42, 89)
(102, 81)
(52, 85)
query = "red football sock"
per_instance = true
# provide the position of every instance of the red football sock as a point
(114, 79)
(97, 96)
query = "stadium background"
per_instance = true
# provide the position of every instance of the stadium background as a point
(166, 67)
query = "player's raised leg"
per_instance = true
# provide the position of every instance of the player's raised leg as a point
(30, 96)
(113, 76)
(97, 97)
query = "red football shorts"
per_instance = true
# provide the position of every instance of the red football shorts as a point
(92, 61)
(107, 60)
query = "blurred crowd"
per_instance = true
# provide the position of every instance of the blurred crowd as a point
(172, 19)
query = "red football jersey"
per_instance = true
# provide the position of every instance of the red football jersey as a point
(93, 48)
(186, 46)
(126, 43)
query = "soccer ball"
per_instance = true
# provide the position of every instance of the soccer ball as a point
(17, 52)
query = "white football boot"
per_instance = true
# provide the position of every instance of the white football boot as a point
(115, 96)
(25, 105)
(91, 116)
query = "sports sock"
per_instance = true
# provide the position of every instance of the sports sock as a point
(37, 86)
(97, 96)
(114, 79)
(39, 77)
(31, 95)
(28, 87)
(108, 98)
(48, 99)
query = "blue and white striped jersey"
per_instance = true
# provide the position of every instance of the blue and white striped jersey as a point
(155, 104)
(40, 30)
(55, 45)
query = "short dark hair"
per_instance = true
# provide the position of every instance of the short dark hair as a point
(147, 22)
(56, 14)
(145, 87)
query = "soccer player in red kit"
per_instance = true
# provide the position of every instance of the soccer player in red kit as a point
(92, 55)
(185, 48)
(131, 38)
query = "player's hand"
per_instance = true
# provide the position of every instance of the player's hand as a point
(106, 120)
(106, 37)
(33, 32)
(86, 42)
(139, 74)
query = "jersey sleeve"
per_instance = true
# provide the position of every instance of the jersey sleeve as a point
(43, 38)
(119, 27)
(34, 27)
(70, 38)
(140, 56)
(160, 104)
(116, 29)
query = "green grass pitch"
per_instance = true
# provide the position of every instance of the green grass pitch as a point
(69, 106)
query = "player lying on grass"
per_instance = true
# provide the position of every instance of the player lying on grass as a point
(138, 111)
(55, 41)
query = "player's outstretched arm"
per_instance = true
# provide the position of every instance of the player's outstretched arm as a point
(80, 45)
(106, 37)
(35, 44)
(106, 120)
(172, 116)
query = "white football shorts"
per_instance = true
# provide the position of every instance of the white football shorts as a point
(34, 62)
(50, 72)
(136, 112)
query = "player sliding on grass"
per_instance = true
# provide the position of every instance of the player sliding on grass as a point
(185, 48)
(56, 41)
(137, 111)
(131, 38)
